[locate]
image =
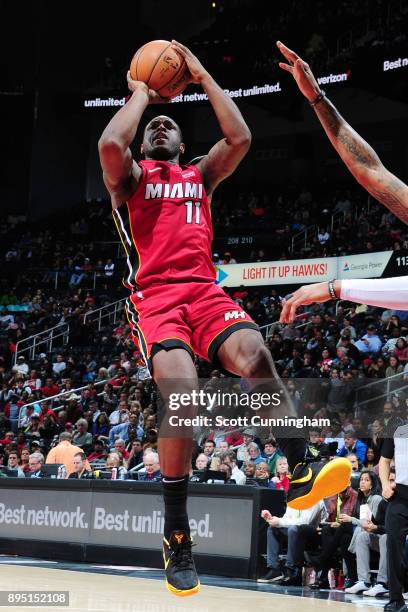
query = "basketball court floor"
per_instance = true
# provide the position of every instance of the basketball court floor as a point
(103, 588)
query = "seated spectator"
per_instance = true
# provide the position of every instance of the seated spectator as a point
(46, 411)
(98, 452)
(375, 440)
(389, 347)
(150, 439)
(209, 448)
(26, 419)
(151, 466)
(281, 478)
(116, 417)
(368, 495)
(372, 537)
(80, 470)
(48, 429)
(64, 453)
(50, 388)
(316, 442)
(236, 474)
(271, 453)
(342, 360)
(222, 446)
(226, 469)
(356, 468)
(335, 434)
(263, 477)
(33, 429)
(21, 366)
(202, 462)
(370, 343)
(59, 366)
(114, 462)
(120, 448)
(135, 454)
(254, 453)
(284, 531)
(353, 445)
(371, 459)
(377, 368)
(401, 351)
(101, 426)
(394, 367)
(335, 535)
(242, 450)
(13, 464)
(36, 462)
(25, 460)
(249, 470)
(82, 437)
(323, 236)
(124, 430)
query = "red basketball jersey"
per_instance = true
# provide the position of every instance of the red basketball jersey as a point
(166, 228)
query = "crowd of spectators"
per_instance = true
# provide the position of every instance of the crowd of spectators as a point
(326, 38)
(90, 257)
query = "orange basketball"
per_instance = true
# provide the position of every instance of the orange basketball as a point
(161, 68)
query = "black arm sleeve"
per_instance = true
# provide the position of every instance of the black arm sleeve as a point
(388, 448)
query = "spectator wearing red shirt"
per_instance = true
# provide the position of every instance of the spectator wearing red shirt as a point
(46, 411)
(50, 388)
(401, 350)
(9, 437)
(281, 479)
(120, 447)
(240, 294)
(98, 452)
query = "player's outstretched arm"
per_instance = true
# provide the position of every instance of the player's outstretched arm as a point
(225, 156)
(120, 173)
(361, 159)
(386, 292)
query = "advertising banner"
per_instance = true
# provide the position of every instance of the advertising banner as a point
(115, 518)
(297, 271)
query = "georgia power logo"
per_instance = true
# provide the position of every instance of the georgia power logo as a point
(346, 267)
(220, 275)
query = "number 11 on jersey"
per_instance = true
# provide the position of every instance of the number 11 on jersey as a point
(189, 206)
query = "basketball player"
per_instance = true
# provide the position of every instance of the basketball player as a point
(386, 292)
(162, 213)
(362, 161)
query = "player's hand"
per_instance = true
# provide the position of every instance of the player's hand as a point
(195, 67)
(388, 491)
(300, 71)
(153, 96)
(308, 294)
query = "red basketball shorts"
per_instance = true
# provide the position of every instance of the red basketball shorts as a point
(195, 316)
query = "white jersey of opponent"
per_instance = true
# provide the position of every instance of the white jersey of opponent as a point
(386, 292)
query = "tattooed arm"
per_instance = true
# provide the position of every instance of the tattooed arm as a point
(361, 159)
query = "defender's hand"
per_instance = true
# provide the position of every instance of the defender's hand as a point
(308, 294)
(195, 67)
(300, 71)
